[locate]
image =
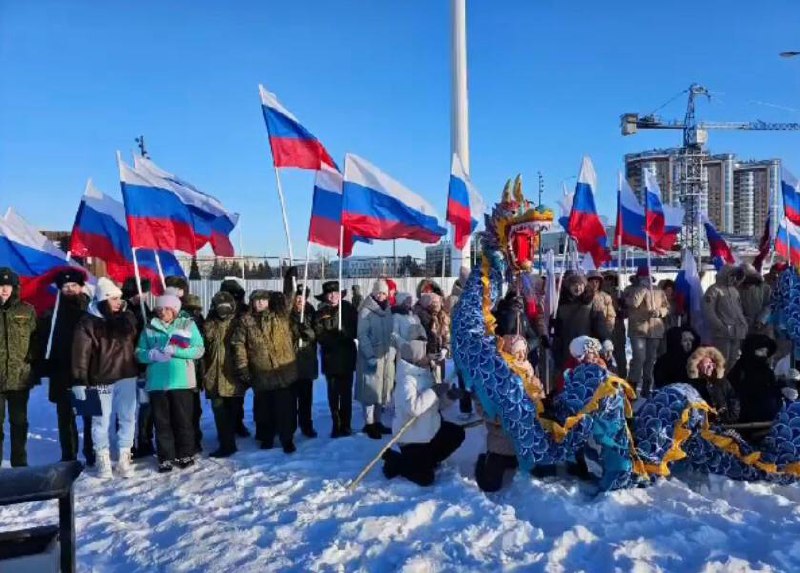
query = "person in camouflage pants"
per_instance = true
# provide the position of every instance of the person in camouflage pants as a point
(17, 334)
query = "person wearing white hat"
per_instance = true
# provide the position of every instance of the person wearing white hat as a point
(375, 366)
(104, 366)
(169, 347)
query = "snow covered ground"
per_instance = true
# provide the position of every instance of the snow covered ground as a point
(265, 511)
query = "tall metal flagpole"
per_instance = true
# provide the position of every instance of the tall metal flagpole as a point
(305, 283)
(459, 119)
(285, 218)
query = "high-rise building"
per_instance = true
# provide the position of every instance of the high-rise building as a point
(737, 195)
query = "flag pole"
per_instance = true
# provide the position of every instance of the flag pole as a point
(341, 250)
(619, 227)
(55, 316)
(139, 285)
(160, 270)
(444, 258)
(285, 218)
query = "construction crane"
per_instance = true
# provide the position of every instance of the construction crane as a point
(695, 136)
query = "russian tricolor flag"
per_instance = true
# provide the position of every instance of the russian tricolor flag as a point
(630, 218)
(719, 249)
(673, 223)
(689, 293)
(465, 206)
(791, 196)
(326, 212)
(292, 144)
(211, 222)
(787, 242)
(654, 211)
(585, 225)
(100, 231)
(378, 207)
(157, 217)
(34, 258)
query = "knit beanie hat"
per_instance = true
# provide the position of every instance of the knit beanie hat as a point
(514, 344)
(380, 287)
(106, 289)
(581, 345)
(169, 299)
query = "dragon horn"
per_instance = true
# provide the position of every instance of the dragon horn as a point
(518, 195)
(507, 193)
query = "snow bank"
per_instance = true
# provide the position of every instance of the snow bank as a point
(265, 511)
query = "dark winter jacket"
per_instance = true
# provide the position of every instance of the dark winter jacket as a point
(305, 344)
(219, 372)
(103, 349)
(512, 319)
(715, 390)
(18, 344)
(263, 350)
(670, 368)
(59, 367)
(338, 346)
(754, 381)
(576, 317)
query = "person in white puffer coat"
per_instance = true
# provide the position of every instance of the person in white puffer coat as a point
(429, 440)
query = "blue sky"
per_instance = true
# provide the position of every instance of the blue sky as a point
(548, 81)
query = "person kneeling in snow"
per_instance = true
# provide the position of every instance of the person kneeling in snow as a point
(500, 455)
(429, 440)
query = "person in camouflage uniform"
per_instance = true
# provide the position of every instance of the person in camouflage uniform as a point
(17, 349)
(223, 389)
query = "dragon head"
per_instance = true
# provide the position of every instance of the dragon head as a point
(514, 226)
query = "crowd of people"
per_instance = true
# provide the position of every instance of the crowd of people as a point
(115, 363)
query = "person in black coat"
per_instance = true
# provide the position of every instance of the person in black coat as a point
(304, 337)
(706, 370)
(670, 368)
(72, 305)
(577, 316)
(338, 354)
(759, 392)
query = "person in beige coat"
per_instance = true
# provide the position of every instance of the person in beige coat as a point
(647, 308)
(602, 301)
(724, 316)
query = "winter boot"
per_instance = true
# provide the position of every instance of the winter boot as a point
(222, 453)
(165, 467)
(308, 431)
(184, 463)
(391, 463)
(124, 465)
(103, 470)
(383, 429)
(143, 450)
(373, 431)
(242, 431)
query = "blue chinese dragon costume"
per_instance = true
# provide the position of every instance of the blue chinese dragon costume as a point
(593, 416)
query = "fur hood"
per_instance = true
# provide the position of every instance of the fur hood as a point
(705, 352)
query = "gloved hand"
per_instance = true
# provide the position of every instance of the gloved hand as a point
(157, 355)
(440, 390)
(169, 351)
(789, 393)
(243, 376)
(544, 342)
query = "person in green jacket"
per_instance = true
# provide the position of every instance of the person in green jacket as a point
(223, 389)
(17, 337)
(169, 346)
(265, 359)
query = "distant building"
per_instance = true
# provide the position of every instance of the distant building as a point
(738, 193)
(433, 259)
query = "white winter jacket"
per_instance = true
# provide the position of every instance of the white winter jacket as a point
(413, 396)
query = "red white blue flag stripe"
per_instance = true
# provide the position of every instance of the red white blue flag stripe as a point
(326, 212)
(585, 225)
(790, 186)
(654, 211)
(465, 206)
(719, 249)
(210, 221)
(292, 144)
(378, 207)
(787, 242)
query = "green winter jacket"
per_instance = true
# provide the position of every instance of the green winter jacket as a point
(179, 372)
(263, 350)
(219, 376)
(17, 344)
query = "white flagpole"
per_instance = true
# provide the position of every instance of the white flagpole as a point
(341, 250)
(285, 218)
(139, 285)
(160, 270)
(619, 227)
(55, 316)
(459, 111)
(241, 252)
(445, 246)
